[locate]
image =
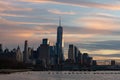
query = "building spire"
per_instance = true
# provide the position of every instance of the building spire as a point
(59, 20)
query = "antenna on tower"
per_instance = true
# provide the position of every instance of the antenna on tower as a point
(59, 20)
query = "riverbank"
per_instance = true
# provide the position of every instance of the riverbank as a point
(9, 71)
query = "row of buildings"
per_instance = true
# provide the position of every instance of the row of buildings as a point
(46, 56)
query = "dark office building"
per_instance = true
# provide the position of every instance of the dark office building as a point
(76, 51)
(90, 61)
(80, 58)
(19, 55)
(45, 41)
(29, 51)
(85, 59)
(52, 55)
(1, 49)
(71, 53)
(94, 63)
(44, 53)
(74, 55)
(113, 63)
(25, 53)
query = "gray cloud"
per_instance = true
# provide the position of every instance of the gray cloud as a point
(81, 3)
(47, 27)
(100, 45)
(78, 30)
(107, 55)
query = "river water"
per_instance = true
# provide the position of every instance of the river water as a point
(64, 75)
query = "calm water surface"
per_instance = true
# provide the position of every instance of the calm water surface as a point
(65, 75)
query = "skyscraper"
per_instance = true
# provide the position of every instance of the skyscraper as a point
(25, 55)
(87, 60)
(71, 54)
(44, 53)
(80, 58)
(1, 49)
(76, 51)
(45, 41)
(113, 63)
(74, 54)
(52, 55)
(59, 43)
(19, 55)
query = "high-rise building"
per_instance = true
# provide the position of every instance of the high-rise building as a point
(74, 55)
(113, 63)
(1, 49)
(25, 55)
(45, 41)
(44, 53)
(52, 55)
(30, 51)
(90, 61)
(94, 63)
(19, 55)
(80, 58)
(76, 51)
(60, 44)
(71, 53)
(85, 59)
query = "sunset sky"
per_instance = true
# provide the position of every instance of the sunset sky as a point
(92, 25)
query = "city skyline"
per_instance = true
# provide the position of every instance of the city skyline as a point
(50, 57)
(93, 26)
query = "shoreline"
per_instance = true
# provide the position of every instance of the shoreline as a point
(9, 71)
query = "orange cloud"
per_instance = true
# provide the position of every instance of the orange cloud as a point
(76, 37)
(25, 35)
(4, 21)
(104, 54)
(105, 58)
(11, 15)
(100, 22)
(7, 6)
(55, 11)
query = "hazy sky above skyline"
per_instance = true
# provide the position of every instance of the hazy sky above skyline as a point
(92, 25)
